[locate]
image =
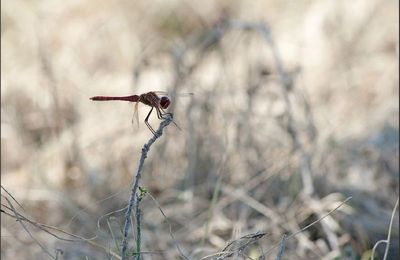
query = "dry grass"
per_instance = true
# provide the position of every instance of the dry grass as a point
(295, 109)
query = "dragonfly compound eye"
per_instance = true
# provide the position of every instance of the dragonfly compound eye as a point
(165, 102)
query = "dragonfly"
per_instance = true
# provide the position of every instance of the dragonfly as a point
(157, 100)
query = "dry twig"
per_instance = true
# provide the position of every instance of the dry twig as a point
(132, 199)
(387, 240)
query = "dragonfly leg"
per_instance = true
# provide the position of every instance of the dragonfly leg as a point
(146, 121)
(161, 115)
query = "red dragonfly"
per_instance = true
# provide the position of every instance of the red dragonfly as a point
(157, 100)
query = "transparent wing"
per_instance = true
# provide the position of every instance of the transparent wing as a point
(135, 117)
(180, 94)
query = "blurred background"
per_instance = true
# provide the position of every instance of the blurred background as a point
(295, 109)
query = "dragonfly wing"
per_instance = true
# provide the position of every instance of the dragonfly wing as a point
(135, 116)
(179, 94)
(137, 113)
(161, 92)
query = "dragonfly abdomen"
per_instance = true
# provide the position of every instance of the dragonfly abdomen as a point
(133, 98)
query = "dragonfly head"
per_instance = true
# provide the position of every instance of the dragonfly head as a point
(165, 102)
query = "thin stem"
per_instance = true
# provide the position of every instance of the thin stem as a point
(132, 199)
(387, 241)
(390, 230)
(281, 247)
(138, 227)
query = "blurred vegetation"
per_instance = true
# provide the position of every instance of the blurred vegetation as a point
(295, 109)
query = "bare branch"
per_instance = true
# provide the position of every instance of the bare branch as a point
(132, 200)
